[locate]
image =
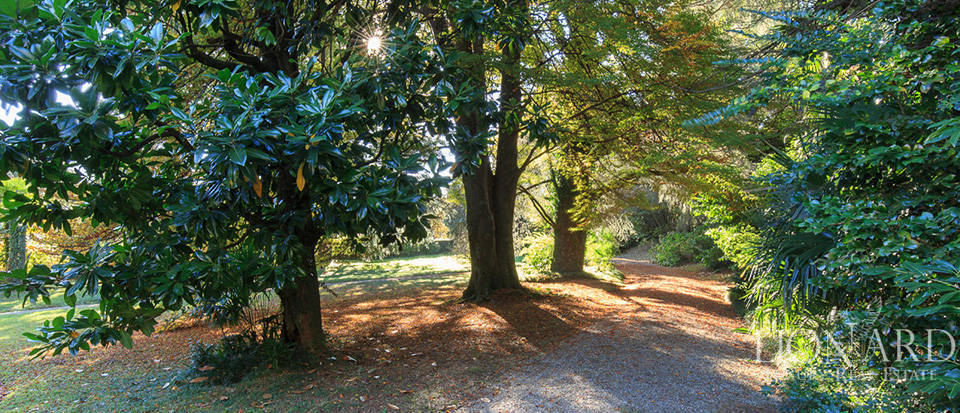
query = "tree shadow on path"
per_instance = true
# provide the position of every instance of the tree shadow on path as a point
(668, 347)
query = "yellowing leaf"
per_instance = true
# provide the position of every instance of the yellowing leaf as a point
(258, 188)
(175, 6)
(301, 181)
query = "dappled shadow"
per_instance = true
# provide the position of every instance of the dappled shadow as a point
(668, 346)
(412, 343)
(647, 368)
(681, 301)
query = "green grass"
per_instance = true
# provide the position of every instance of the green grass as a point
(392, 268)
(336, 272)
(15, 303)
(116, 383)
(404, 285)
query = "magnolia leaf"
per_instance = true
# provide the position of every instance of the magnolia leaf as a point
(258, 188)
(301, 181)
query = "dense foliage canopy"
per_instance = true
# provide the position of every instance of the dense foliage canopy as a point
(223, 138)
(863, 214)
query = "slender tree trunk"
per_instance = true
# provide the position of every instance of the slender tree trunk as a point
(16, 247)
(569, 238)
(300, 300)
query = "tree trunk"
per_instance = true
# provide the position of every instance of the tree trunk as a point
(490, 235)
(569, 238)
(16, 247)
(300, 300)
(491, 197)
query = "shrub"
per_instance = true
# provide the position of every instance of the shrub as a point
(829, 386)
(226, 361)
(602, 246)
(736, 243)
(234, 356)
(539, 253)
(677, 248)
(712, 258)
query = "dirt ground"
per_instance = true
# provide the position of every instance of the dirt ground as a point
(662, 339)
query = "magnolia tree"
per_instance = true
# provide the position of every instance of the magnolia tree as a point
(222, 138)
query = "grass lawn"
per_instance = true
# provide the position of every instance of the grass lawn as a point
(15, 303)
(393, 268)
(335, 273)
(150, 377)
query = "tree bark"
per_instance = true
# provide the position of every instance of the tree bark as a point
(492, 264)
(569, 237)
(16, 247)
(300, 301)
(491, 197)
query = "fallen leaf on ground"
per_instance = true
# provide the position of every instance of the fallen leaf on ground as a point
(199, 379)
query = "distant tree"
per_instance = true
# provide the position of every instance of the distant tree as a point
(624, 78)
(15, 247)
(223, 138)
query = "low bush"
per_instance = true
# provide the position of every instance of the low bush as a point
(673, 248)
(539, 253)
(676, 248)
(234, 356)
(736, 243)
(829, 386)
(602, 246)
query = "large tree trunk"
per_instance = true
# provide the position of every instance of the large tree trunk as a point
(569, 237)
(491, 196)
(300, 300)
(490, 235)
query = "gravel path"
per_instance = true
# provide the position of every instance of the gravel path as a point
(672, 350)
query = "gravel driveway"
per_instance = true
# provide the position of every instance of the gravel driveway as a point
(672, 350)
